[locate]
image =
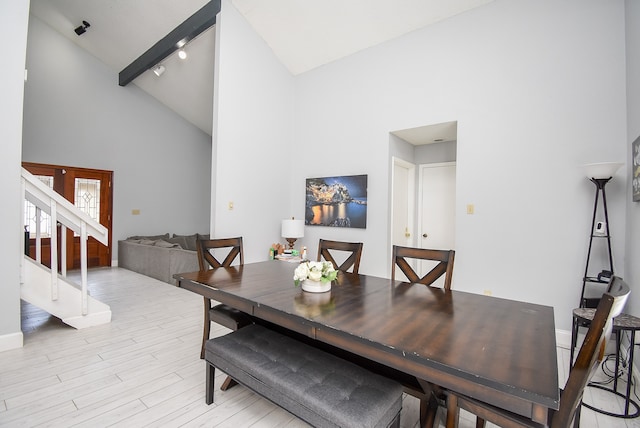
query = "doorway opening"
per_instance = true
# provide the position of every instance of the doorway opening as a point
(423, 183)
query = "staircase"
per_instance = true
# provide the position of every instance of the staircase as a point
(44, 287)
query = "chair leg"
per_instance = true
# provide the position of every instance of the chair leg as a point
(210, 379)
(453, 411)
(428, 411)
(228, 383)
(207, 326)
(424, 405)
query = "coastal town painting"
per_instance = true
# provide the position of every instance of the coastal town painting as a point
(337, 201)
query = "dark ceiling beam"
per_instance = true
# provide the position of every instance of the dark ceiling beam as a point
(189, 29)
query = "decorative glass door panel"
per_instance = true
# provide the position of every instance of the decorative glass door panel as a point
(87, 197)
(31, 218)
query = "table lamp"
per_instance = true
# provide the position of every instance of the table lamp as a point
(292, 230)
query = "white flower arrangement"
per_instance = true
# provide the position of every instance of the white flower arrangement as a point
(315, 271)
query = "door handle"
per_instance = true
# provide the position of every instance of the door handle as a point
(406, 232)
(424, 235)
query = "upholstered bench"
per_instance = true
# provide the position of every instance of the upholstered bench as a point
(319, 388)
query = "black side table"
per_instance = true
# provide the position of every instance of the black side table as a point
(623, 322)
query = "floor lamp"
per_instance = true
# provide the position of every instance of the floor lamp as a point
(599, 174)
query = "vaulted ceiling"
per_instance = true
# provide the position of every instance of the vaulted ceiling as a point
(303, 35)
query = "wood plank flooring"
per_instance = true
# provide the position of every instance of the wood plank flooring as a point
(144, 370)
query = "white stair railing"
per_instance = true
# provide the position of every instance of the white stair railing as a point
(68, 216)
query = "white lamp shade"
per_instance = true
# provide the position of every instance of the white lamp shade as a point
(292, 228)
(602, 169)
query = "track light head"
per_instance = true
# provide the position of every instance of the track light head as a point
(82, 28)
(158, 70)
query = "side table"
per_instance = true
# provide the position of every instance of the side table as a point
(623, 322)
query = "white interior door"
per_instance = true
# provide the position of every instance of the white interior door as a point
(403, 196)
(437, 216)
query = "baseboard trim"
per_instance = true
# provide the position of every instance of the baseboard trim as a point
(563, 339)
(11, 341)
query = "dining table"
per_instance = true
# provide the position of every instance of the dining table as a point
(499, 351)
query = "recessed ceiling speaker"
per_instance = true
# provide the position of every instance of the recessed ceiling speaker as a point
(82, 28)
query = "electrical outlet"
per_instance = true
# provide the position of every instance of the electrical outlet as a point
(470, 209)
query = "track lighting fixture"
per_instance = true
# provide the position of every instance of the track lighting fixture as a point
(158, 70)
(82, 28)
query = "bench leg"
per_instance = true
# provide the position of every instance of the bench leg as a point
(211, 374)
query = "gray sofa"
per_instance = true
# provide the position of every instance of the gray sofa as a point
(159, 256)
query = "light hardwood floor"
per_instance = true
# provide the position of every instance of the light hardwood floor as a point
(144, 369)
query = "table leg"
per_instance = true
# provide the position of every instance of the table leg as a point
(574, 339)
(615, 378)
(630, 372)
(614, 390)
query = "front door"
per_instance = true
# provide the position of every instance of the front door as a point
(89, 190)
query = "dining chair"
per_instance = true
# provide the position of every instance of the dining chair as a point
(589, 358)
(444, 258)
(353, 250)
(432, 396)
(221, 314)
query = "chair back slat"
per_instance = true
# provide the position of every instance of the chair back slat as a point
(444, 267)
(592, 351)
(206, 258)
(352, 261)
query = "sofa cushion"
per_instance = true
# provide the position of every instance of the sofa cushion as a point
(189, 240)
(165, 244)
(180, 240)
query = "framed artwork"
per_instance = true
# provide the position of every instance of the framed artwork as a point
(337, 201)
(635, 170)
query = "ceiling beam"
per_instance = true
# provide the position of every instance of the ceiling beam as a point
(183, 33)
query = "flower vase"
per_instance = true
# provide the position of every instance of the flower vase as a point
(315, 286)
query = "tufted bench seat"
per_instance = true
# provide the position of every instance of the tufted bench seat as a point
(320, 388)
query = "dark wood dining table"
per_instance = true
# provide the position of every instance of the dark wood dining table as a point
(500, 351)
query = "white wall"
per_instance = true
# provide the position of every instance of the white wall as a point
(253, 108)
(537, 88)
(13, 26)
(75, 114)
(632, 253)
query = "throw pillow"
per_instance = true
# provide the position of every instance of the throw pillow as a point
(165, 244)
(152, 238)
